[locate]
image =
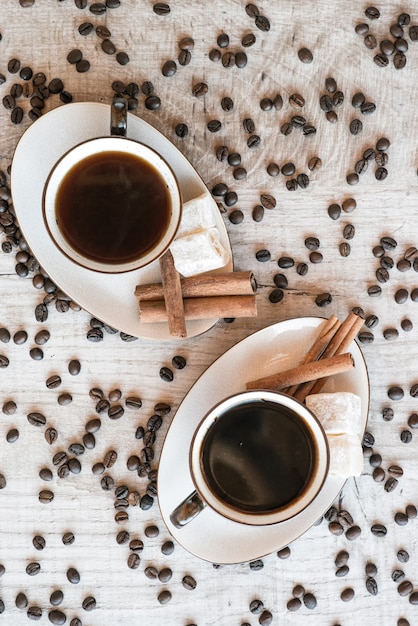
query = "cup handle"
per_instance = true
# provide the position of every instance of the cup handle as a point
(187, 510)
(119, 117)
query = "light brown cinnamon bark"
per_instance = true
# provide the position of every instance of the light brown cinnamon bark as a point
(173, 298)
(201, 308)
(339, 343)
(311, 371)
(223, 284)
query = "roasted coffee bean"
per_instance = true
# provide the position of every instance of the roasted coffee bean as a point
(57, 617)
(3, 481)
(4, 335)
(413, 420)
(166, 374)
(20, 337)
(358, 99)
(41, 313)
(276, 296)
(68, 538)
(262, 23)
(161, 8)
(85, 28)
(45, 474)
(379, 530)
(352, 178)
(199, 90)
(395, 393)
(21, 600)
(169, 68)
(165, 575)
(32, 569)
(371, 586)
(411, 511)
(342, 571)
(305, 55)
(314, 163)
(268, 201)
(34, 613)
(164, 596)
(110, 458)
(399, 60)
(347, 594)
(405, 588)
(309, 600)
(56, 597)
(381, 173)
(406, 436)
(293, 604)
(73, 576)
(356, 126)
(9, 407)
(334, 211)
(89, 603)
(341, 558)
(335, 528)
(82, 66)
(38, 542)
(12, 435)
(36, 419)
(353, 532)
(97, 469)
(256, 606)
(285, 262)
(401, 518)
(323, 299)
(53, 381)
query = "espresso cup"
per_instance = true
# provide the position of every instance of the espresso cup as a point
(112, 204)
(258, 458)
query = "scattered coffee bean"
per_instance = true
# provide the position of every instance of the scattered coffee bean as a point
(347, 594)
(305, 55)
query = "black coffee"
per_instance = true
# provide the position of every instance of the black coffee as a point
(113, 207)
(257, 457)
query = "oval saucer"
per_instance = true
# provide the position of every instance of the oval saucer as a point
(210, 536)
(108, 297)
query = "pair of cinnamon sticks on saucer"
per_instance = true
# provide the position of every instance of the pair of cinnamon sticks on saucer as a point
(327, 356)
(205, 296)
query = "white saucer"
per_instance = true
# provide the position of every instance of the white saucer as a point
(108, 297)
(210, 536)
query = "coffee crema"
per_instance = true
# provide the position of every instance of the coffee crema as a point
(258, 456)
(113, 207)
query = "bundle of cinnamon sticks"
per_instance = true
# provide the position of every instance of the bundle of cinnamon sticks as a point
(327, 356)
(205, 296)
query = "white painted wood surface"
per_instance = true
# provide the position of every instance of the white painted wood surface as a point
(41, 37)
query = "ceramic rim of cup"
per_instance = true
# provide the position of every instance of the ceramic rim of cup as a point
(110, 144)
(309, 492)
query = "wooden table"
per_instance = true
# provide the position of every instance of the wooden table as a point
(41, 36)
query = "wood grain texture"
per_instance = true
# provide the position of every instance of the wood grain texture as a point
(41, 37)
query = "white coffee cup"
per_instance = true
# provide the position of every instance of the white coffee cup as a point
(140, 230)
(258, 457)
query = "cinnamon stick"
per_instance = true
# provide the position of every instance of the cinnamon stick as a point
(347, 340)
(327, 331)
(173, 297)
(223, 284)
(339, 343)
(201, 308)
(311, 371)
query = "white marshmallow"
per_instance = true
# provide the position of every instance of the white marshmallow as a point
(199, 252)
(338, 412)
(346, 455)
(197, 215)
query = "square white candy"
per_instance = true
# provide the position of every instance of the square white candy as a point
(346, 455)
(338, 412)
